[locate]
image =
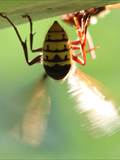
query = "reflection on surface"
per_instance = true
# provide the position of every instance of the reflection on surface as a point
(102, 113)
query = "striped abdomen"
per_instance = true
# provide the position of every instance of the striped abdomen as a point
(56, 56)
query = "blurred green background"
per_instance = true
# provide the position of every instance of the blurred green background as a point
(64, 138)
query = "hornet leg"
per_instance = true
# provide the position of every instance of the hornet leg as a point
(23, 43)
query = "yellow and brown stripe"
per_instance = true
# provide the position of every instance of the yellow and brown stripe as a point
(56, 56)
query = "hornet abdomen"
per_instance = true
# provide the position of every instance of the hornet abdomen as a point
(56, 55)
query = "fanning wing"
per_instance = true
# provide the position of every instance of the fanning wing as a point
(101, 112)
(31, 129)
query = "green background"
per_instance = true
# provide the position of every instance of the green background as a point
(65, 138)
